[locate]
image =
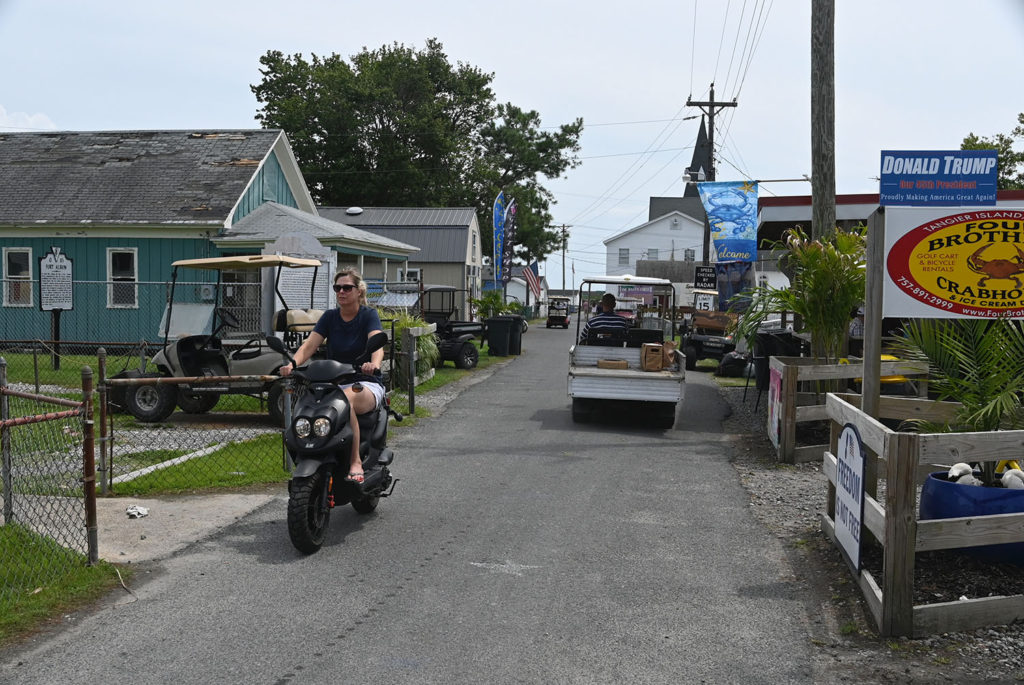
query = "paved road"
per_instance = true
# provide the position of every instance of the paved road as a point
(518, 548)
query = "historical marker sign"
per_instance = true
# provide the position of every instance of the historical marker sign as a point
(56, 271)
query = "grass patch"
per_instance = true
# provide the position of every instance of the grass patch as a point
(43, 579)
(257, 460)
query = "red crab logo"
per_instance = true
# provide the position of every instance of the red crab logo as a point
(988, 269)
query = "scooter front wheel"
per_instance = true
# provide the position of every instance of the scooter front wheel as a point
(308, 512)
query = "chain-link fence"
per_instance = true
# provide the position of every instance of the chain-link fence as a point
(45, 473)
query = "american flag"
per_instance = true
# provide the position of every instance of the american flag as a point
(530, 274)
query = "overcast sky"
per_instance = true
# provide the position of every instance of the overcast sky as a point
(910, 74)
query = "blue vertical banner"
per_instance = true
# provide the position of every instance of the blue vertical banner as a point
(509, 240)
(499, 234)
(731, 207)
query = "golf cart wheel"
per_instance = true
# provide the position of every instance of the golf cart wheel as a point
(691, 357)
(151, 403)
(197, 403)
(366, 505)
(467, 357)
(276, 397)
(307, 515)
(665, 416)
(580, 410)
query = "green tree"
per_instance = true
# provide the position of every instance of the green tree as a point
(1011, 163)
(401, 127)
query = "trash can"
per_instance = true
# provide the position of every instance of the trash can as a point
(499, 333)
(515, 338)
(773, 343)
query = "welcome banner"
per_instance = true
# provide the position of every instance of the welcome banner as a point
(499, 233)
(731, 207)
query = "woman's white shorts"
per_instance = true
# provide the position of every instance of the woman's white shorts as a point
(376, 388)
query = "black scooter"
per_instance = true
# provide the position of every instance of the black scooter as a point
(318, 438)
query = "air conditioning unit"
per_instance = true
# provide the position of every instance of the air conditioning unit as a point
(207, 292)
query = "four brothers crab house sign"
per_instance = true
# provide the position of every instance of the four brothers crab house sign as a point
(963, 263)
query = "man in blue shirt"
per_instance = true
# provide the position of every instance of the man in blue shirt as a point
(605, 319)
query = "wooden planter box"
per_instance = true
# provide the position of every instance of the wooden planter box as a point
(796, 393)
(903, 460)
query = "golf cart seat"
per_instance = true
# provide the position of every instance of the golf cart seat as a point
(606, 337)
(636, 337)
(293, 320)
(296, 324)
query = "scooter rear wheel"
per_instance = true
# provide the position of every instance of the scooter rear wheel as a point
(365, 506)
(308, 515)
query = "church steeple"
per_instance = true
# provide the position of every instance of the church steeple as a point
(701, 162)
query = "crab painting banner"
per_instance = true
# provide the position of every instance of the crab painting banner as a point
(731, 207)
(963, 264)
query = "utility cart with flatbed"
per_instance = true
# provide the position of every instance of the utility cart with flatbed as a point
(631, 368)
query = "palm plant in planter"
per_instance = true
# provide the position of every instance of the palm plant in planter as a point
(976, 362)
(827, 278)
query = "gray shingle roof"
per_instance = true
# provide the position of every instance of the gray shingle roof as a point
(397, 217)
(441, 233)
(271, 220)
(127, 177)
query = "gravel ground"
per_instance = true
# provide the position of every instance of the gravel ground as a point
(787, 499)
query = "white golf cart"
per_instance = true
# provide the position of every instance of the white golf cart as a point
(207, 359)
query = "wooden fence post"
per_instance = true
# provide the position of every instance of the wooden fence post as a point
(900, 534)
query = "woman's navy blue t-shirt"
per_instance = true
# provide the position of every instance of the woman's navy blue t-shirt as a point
(347, 339)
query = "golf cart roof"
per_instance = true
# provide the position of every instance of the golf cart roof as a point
(699, 291)
(626, 280)
(255, 261)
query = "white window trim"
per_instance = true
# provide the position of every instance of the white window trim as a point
(8, 279)
(415, 272)
(110, 277)
(621, 255)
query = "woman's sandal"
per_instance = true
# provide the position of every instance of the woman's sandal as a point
(355, 478)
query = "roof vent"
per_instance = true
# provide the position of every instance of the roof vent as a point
(352, 211)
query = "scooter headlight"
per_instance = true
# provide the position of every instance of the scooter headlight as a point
(321, 427)
(302, 427)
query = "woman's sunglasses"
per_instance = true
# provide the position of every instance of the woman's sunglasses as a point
(348, 287)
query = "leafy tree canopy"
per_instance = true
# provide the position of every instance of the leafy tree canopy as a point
(399, 127)
(1011, 163)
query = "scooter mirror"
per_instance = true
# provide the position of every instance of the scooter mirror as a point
(276, 344)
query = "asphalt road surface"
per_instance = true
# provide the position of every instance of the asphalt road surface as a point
(518, 547)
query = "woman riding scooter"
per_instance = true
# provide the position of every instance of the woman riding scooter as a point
(346, 330)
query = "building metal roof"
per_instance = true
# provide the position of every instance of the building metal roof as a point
(441, 233)
(128, 177)
(271, 220)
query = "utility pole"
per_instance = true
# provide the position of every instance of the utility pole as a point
(823, 117)
(565, 242)
(712, 108)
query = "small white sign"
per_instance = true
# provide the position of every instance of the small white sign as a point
(56, 273)
(849, 503)
(703, 303)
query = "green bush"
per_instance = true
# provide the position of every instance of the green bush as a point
(426, 346)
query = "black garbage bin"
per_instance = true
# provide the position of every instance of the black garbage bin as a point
(515, 338)
(499, 333)
(773, 343)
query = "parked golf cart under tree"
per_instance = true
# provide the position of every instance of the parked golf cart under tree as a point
(454, 338)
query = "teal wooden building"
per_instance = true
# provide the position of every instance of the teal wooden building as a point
(121, 206)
